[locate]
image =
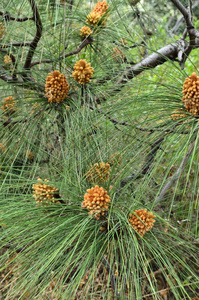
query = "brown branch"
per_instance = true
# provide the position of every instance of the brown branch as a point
(124, 123)
(156, 58)
(184, 12)
(180, 21)
(8, 17)
(114, 121)
(153, 60)
(7, 78)
(193, 33)
(15, 45)
(85, 42)
(33, 45)
(175, 177)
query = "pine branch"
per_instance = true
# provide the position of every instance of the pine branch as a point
(85, 42)
(22, 44)
(37, 37)
(7, 78)
(193, 33)
(8, 17)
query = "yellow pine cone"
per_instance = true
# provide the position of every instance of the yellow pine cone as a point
(93, 18)
(85, 31)
(82, 71)
(142, 221)
(9, 105)
(56, 87)
(44, 194)
(96, 201)
(98, 173)
(101, 7)
(191, 94)
(97, 12)
(7, 59)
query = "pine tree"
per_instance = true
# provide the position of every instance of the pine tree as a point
(99, 150)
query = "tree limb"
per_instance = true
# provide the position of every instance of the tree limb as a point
(33, 45)
(4, 76)
(180, 21)
(153, 60)
(15, 45)
(193, 33)
(8, 17)
(85, 42)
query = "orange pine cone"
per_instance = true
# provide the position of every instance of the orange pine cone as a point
(56, 87)
(142, 221)
(191, 94)
(96, 201)
(82, 71)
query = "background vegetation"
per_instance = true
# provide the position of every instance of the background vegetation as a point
(130, 116)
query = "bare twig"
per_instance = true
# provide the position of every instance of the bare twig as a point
(181, 20)
(4, 76)
(175, 177)
(110, 272)
(8, 17)
(184, 12)
(148, 162)
(85, 42)
(114, 121)
(156, 58)
(37, 37)
(15, 45)
(153, 129)
(193, 33)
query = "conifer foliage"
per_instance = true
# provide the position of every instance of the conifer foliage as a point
(101, 100)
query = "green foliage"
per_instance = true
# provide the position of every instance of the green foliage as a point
(59, 251)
